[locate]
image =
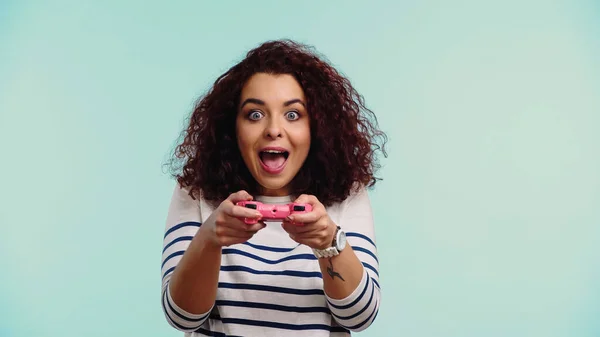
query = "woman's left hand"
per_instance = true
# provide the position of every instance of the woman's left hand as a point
(314, 229)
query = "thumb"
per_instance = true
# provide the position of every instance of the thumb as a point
(240, 196)
(307, 199)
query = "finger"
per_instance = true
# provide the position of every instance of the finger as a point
(239, 196)
(289, 227)
(318, 210)
(227, 232)
(313, 234)
(313, 239)
(306, 199)
(314, 243)
(307, 218)
(307, 228)
(237, 223)
(230, 208)
(311, 200)
(299, 227)
(321, 229)
(308, 241)
(242, 212)
(228, 241)
(236, 236)
(255, 227)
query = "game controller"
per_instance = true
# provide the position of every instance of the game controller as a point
(273, 212)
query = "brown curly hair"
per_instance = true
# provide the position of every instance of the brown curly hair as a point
(344, 133)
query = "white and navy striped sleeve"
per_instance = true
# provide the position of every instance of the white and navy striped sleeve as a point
(357, 311)
(183, 221)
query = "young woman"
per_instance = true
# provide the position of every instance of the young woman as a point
(280, 127)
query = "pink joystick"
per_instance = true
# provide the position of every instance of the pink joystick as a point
(273, 212)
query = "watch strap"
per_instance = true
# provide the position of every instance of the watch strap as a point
(326, 253)
(329, 251)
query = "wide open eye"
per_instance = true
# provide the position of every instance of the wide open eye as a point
(292, 115)
(255, 115)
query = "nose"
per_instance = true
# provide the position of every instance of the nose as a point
(273, 129)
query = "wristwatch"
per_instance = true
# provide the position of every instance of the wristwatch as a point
(338, 244)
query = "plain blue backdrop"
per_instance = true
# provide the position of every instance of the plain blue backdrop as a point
(487, 218)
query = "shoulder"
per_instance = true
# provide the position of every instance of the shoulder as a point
(184, 205)
(357, 199)
(358, 195)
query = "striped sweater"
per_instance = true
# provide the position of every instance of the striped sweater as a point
(270, 285)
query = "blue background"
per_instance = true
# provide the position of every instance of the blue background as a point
(487, 220)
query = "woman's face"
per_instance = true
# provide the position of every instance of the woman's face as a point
(273, 130)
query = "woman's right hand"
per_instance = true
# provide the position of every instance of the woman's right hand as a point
(225, 226)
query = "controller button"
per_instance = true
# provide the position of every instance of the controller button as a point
(253, 206)
(298, 208)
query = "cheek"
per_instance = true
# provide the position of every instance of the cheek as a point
(248, 137)
(244, 143)
(306, 134)
(302, 138)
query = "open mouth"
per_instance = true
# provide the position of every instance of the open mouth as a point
(273, 160)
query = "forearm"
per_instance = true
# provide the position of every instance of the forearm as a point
(341, 273)
(352, 294)
(351, 279)
(193, 285)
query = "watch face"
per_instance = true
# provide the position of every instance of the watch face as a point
(341, 240)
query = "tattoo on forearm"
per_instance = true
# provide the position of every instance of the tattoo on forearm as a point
(332, 272)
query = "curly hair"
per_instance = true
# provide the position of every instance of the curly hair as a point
(344, 133)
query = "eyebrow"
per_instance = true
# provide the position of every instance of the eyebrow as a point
(261, 102)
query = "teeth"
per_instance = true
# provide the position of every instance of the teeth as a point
(273, 151)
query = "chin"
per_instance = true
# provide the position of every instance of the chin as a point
(270, 184)
(277, 186)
